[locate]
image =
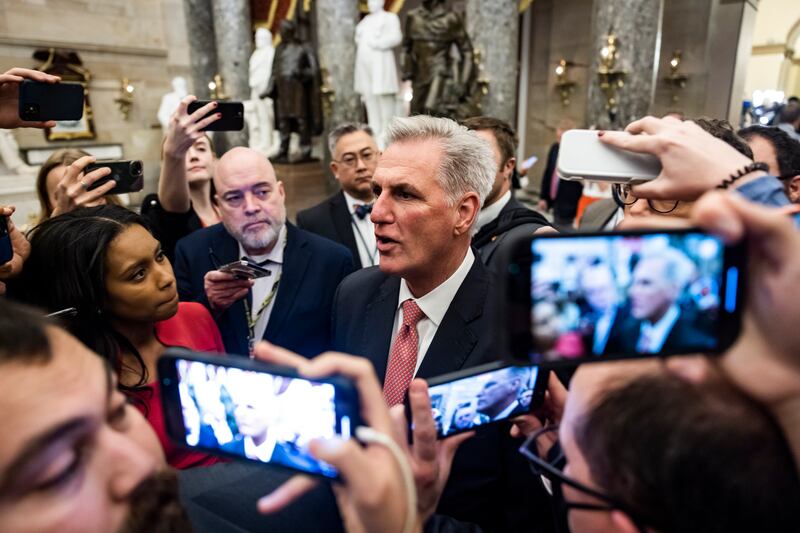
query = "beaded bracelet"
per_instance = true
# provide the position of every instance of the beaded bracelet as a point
(744, 171)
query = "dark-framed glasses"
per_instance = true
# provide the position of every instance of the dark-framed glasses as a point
(551, 468)
(623, 197)
(351, 160)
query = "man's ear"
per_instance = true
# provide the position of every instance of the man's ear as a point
(508, 168)
(335, 169)
(794, 189)
(468, 208)
(623, 523)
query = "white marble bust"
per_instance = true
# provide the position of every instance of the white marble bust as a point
(171, 100)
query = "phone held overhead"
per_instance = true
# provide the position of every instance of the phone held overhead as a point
(231, 119)
(39, 101)
(128, 175)
(581, 155)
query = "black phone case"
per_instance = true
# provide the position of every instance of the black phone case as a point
(39, 101)
(123, 172)
(232, 118)
(6, 251)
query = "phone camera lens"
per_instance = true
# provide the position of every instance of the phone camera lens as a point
(136, 168)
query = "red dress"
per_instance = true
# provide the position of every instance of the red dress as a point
(192, 327)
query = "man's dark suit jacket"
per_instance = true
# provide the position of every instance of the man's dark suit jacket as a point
(565, 204)
(488, 253)
(331, 219)
(300, 317)
(490, 484)
(683, 335)
(598, 214)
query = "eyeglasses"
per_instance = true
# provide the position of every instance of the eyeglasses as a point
(552, 469)
(351, 160)
(623, 197)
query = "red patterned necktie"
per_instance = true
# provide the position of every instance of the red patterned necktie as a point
(403, 359)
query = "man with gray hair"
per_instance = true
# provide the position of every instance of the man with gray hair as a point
(344, 217)
(426, 309)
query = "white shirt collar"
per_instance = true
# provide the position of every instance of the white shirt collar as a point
(435, 303)
(263, 452)
(660, 330)
(491, 212)
(507, 411)
(352, 202)
(275, 255)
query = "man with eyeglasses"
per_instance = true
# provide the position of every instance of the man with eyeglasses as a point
(344, 217)
(290, 307)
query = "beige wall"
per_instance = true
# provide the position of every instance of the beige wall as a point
(769, 68)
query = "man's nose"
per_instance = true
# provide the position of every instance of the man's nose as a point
(250, 204)
(381, 210)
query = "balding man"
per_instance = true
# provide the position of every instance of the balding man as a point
(292, 306)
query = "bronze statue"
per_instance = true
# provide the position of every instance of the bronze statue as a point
(440, 83)
(295, 89)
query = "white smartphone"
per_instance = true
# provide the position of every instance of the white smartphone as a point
(582, 155)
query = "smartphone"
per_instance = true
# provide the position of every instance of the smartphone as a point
(129, 175)
(232, 118)
(479, 396)
(39, 101)
(581, 155)
(248, 410)
(628, 294)
(6, 250)
(244, 269)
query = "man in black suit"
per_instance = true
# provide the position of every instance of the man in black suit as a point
(426, 310)
(344, 217)
(562, 196)
(502, 217)
(291, 307)
(658, 323)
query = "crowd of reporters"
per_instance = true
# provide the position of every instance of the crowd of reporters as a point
(678, 444)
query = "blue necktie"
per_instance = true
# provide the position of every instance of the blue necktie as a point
(362, 210)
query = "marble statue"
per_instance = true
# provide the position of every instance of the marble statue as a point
(295, 88)
(440, 82)
(259, 113)
(9, 154)
(376, 72)
(171, 100)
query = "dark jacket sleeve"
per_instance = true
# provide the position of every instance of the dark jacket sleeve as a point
(444, 524)
(168, 227)
(544, 188)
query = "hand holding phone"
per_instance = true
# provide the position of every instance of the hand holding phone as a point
(231, 115)
(244, 269)
(581, 155)
(9, 97)
(127, 176)
(14, 247)
(6, 251)
(186, 127)
(72, 191)
(42, 101)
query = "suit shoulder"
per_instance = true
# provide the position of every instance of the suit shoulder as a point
(325, 246)
(199, 238)
(364, 280)
(313, 213)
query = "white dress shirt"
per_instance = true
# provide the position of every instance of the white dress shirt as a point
(602, 329)
(364, 233)
(505, 413)
(491, 212)
(261, 453)
(262, 287)
(434, 304)
(657, 333)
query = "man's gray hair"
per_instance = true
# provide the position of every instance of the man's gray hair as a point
(467, 164)
(678, 268)
(346, 128)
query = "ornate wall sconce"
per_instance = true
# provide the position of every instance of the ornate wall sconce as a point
(564, 86)
(610, 77)
(217, 88)
(125, 99)
(676, 79)
(481, 81)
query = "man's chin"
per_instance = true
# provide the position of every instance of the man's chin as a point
(155, 506)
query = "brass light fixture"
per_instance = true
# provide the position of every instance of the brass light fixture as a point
(676, 79)
(611, 78)
(564, 86)
(217, 88)
(125, 99)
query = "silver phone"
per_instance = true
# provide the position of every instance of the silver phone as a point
(581, 155)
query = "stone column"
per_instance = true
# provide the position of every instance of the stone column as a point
(637, 25)
(234, 46)
(493, 27)
(202, 48)
(336, 30)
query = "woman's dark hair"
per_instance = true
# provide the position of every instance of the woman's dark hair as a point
(66, 268)
(691, 458)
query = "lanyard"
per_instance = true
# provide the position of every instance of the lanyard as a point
(251, 322)
(371, 253)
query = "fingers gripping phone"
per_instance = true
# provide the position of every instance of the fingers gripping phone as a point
(6, 250)
(39, 101)
(129, 176)
(599, 296)
(232, 118)
(468, 399)
(581, 155)
(244, 269)
(249, 410)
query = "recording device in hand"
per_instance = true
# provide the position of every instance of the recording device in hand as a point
(244, 269)
(6, 250)
(39, 101)
(588, 297)
(129, 175)
(232, 118)
(468, 399)
(248, 410)
(581, 155)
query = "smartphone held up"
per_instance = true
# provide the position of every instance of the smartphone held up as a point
(581, 155)
(598, 296)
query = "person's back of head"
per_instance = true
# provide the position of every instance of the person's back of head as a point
(691, 457)
(722, 130)
(790, 115)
